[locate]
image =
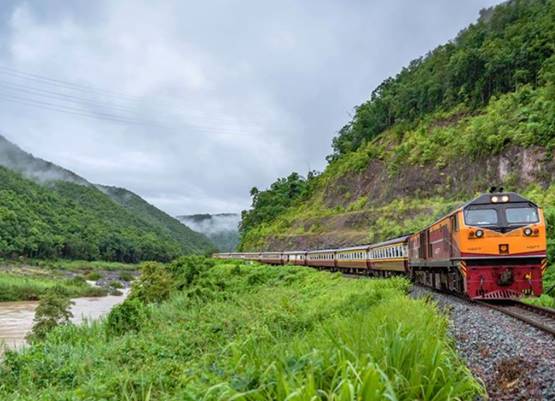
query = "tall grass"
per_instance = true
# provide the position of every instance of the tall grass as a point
(255, 333)
(15, 287)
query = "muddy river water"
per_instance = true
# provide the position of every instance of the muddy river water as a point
(16, 318)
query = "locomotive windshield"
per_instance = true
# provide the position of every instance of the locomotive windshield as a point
(480, 217)
(501, 215)
(521, 215)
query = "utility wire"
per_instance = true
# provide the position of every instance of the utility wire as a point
(55, 84)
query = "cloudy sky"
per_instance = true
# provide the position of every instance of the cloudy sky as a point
(189, 103)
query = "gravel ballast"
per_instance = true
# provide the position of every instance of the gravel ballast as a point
(514, 360)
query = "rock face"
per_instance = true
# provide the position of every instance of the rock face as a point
(222, 229)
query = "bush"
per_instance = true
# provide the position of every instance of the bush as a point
(115, 284)
(127, 317)
(93, 276)
(53, 310)
(154, 285)
(188, 269)
(126, 276)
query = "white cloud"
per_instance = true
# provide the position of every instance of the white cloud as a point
(227, 94)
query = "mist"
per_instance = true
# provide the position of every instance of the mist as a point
(42, 171)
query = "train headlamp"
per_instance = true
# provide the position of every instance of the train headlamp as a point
(479, 233)
(528, 231)
(505, 198)
(494, 199)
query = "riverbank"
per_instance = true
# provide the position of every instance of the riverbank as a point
(252, 332)
(27, 280)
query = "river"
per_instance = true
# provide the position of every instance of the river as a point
(16, 318)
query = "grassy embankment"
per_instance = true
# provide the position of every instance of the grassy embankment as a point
(17, 287)
(28, 280)
(248, 332)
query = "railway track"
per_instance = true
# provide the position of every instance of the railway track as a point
(537, 316)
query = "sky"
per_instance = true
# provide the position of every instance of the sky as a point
(190, 104)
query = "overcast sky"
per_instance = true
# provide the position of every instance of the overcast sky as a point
(189, 103)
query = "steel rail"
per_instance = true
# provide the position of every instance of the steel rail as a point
(536, 316)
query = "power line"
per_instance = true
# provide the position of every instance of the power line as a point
(133, 101)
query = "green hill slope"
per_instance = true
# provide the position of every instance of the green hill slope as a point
(69, 220)
(192, 241)
(476, 112)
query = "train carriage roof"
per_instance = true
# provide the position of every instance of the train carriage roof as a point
(393, 241)
(354, 248)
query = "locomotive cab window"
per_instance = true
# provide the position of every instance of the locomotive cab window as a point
(519, 215)
(480, 217)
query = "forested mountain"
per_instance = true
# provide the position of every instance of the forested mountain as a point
(167, 224)
(222, 228)
(47, 211)
(475, 112)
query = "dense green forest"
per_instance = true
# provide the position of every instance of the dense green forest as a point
(170, 226)
(510, 46)
(68, 220)
(474, 112)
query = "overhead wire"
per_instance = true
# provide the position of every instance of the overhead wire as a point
(82, 93)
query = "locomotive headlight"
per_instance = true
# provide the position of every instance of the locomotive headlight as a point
(505, 198)
(528, 231)
(494, 199)
(479, 233)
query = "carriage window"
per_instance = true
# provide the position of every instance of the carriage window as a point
(480, 216)
(521, 215)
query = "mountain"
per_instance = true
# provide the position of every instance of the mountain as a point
(475, 112)
(47, 211)
(179, 231)
(14, 158)
(222, 229)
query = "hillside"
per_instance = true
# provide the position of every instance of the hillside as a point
(222, 228)
(47, 211)
(166, 223)
(476, 112)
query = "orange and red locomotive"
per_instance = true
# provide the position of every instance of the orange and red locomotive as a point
(492, 247)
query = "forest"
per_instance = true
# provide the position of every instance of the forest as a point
(73, 221)
(510, 46)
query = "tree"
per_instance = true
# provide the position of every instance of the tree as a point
(53, 311)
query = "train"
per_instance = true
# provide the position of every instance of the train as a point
(492, 247)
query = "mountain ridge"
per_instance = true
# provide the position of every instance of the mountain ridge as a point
(123, 226)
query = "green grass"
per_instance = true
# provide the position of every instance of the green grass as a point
(17, 287)
(81, 265)
(249, 332)
(547, 300)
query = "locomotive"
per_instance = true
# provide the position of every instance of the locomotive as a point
(493, 247)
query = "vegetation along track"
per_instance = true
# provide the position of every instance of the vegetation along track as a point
(537, 316)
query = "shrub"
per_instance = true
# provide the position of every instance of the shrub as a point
(53, 310)
(126, 276)
(115, 284)
(154, 285)
(187, 269)
(127, 317)
(93, 276)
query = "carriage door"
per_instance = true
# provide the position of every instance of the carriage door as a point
(454, 229)
(423, 244)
